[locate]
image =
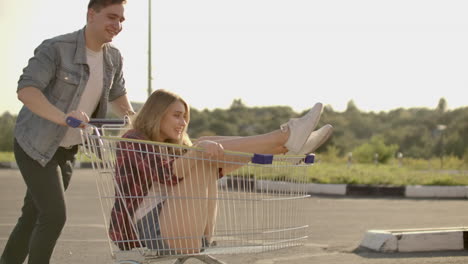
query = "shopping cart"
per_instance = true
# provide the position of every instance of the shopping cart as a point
(259, 202)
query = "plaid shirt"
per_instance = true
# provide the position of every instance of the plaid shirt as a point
(136, 167)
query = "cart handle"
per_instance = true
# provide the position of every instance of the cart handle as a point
(73, 122)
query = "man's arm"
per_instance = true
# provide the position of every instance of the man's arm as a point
(122, 107)
(35, 100)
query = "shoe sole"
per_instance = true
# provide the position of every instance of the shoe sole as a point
(322, 140)
(315, 121)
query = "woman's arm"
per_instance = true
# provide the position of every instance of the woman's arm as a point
(210, 150)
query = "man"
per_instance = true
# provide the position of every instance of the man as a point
(70, 75)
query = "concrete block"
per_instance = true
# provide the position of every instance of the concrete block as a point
(416, 240)
(430, 241)
(418, 191)
(380, 240)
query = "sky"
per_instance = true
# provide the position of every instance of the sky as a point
(382, 55)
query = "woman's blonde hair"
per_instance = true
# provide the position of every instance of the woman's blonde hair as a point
(148, 119)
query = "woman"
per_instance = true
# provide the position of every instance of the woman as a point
(154, 182)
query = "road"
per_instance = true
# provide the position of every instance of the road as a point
(337, 226)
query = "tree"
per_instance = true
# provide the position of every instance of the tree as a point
(351, 106)
(442, 105)
(7, 125)
(237, 103)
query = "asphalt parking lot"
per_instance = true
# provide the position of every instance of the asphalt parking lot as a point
(337, 226)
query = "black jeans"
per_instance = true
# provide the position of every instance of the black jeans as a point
(44, 211)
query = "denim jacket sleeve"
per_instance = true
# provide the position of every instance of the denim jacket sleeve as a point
(41, 68)
(58, 70)
(114, 61)
(118, 85)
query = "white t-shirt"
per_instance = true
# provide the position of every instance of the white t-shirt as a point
(91, 95)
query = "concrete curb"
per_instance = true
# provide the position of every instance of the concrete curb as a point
(416, 240)
(436, 191)
(8, 165)
(416, 191)
(411, 191)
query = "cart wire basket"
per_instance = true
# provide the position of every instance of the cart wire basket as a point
(258, 200)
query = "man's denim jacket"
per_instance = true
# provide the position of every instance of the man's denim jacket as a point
(59, 69)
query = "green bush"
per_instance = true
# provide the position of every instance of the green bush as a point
(7, 124)
(331, 155)
(366, 152)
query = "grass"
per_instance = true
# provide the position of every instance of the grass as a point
(370, 174)
(7, 157)
(384, 175)
(413, 172)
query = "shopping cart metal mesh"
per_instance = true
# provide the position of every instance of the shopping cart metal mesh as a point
(259, 198)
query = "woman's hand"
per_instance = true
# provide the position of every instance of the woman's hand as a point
(211, 148)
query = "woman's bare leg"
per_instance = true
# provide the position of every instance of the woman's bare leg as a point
(212, 210)
(296, 137)
(269, 143)
(217, 138)
(186, 213)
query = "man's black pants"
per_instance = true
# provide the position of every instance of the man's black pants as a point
(44, 210)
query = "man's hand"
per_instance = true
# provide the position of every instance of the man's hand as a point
(80, 115)
(122, 107)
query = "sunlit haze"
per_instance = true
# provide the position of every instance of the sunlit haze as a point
(380, 54)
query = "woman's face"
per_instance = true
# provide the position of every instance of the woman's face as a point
(173, 122)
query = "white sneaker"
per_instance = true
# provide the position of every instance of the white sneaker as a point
(301, 128)
(316, 139)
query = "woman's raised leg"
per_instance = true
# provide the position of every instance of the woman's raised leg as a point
(295, 137)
